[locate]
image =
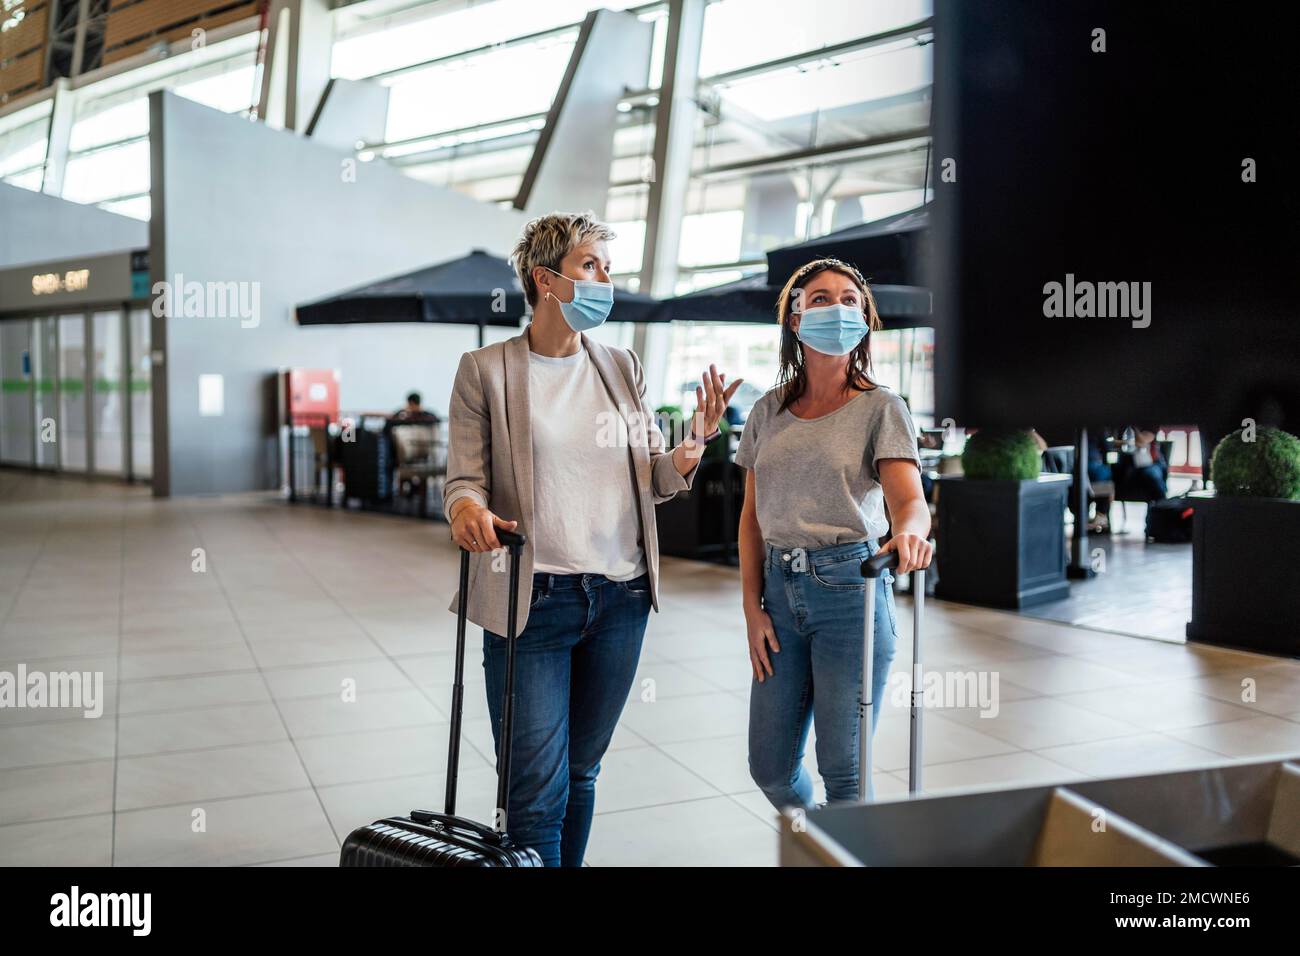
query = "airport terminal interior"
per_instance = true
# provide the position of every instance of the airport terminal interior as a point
(237, 241)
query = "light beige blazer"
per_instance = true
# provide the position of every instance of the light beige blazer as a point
(490, 459)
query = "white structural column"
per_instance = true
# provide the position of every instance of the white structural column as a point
(675, 123)
(63, 111)
(296, 71)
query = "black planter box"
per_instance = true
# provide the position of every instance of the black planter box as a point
(1002, 543)
(703, 523)
(1246, 573)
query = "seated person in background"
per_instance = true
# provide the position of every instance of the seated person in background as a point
(1100, 478)
(413, 413)
(1147, 479)
(1054, 462)
(1098, 470)
(414, 452)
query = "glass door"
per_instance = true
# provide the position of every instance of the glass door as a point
(45, 359)
(17, 436)
(72, 397)
(76, 392)
(139, 387)
(107, 414)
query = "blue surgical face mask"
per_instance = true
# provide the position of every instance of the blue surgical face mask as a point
(591, 303)
(832, 329)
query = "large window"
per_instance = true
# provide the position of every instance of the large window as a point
(108, 158)
(901, 359)
(809, 122)
(821, 124)
(367, 47)
(741, 33)
(505, 84)
(469, 88)
(751, 352)
(22, 146)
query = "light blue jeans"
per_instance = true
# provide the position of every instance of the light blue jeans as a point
(816, 599)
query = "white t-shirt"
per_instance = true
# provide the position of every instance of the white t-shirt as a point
(584, 502)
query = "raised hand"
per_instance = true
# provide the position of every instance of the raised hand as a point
(711, 401)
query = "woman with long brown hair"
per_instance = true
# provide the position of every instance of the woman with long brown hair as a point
(826, 450)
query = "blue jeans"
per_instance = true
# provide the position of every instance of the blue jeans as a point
(816, 599)
(574, 666)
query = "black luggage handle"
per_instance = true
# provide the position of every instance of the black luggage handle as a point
(514, 542)
(454, 822)
(879, 563)
(872, 568)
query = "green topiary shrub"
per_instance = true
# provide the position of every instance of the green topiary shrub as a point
(1268, 467)
(1001, 455)
(718, 451)
(675, 424)
(666, 415)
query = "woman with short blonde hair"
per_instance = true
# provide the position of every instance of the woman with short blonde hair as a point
(531, 451)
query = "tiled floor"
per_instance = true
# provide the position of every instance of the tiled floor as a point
(1142, 588)
(225, 739)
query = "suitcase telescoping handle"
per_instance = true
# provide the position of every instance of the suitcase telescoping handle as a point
(872, 568)
(514, 543)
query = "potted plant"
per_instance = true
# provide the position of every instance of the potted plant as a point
(1246, 545)
(1001, 539)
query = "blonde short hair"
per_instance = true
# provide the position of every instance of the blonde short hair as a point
(546, 240)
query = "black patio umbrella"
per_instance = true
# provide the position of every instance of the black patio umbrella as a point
(891, 251)
(476, 289)
(749, 299)
(752, 300)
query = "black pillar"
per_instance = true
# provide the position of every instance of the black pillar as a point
(1080, 560)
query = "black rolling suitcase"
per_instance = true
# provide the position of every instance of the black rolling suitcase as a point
(426, 838)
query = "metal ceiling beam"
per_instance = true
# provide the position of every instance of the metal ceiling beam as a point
(76, 37)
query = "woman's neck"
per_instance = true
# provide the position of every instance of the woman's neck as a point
(549, 334)
(826, 376)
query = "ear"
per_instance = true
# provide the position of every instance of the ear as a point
(542, 280)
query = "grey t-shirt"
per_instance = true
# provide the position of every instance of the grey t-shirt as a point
(816, 479)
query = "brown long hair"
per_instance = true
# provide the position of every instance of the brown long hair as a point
(793, 377)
